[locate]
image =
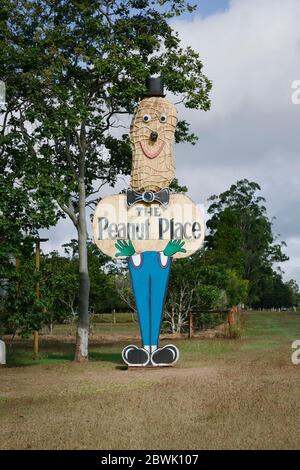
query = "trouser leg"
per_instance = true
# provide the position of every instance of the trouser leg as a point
(159, 281)
(140, 280)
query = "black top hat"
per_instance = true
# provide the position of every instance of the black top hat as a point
(154, 86)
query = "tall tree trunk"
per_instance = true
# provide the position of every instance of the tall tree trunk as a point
(82, 339)
(84, 281)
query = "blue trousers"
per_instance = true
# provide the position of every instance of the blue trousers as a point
(149, 283)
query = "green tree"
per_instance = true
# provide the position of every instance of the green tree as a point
(240, 235)
(59, 289)
(275, 293)
(20, 213)
(198, 286)
(72, 68)
(102, 271)
(23, 311)
(295, 293)
(236, 288)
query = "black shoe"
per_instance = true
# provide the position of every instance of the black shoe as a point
(134, 356)
(165, 356)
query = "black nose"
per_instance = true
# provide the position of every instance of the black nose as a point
(153, 136)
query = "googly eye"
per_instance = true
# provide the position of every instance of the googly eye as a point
(146, 118)
(163, 118)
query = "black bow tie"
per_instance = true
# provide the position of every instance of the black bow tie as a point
(161, 196)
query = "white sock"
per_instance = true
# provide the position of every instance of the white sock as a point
(150, 348)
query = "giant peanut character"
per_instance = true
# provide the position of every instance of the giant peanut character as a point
(152, 137)
(149, 225)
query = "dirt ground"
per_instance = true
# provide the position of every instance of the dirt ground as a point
(222, 394)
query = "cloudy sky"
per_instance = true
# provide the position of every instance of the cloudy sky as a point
(251, 52)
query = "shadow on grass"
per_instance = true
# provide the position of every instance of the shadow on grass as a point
(94, 356)
(26, 360)
(114, 358)
(17, 360)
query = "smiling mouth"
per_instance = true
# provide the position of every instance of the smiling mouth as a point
(150, 154)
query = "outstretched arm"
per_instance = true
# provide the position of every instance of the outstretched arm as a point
(125, 248)
(173, 247)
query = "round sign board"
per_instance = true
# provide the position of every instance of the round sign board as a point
(149, 226)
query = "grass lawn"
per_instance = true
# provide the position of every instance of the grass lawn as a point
(241, 394)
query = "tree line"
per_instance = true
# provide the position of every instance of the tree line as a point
(234, 267)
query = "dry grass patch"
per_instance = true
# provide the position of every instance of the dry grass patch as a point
(223, 394)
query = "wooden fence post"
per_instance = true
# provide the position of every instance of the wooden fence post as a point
(232, 315)
(191, 325)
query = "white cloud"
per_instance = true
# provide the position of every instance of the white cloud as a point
(251, 53)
